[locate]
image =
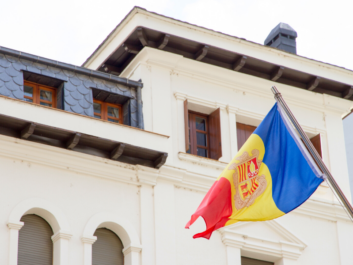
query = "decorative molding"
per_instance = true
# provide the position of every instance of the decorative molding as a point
(232, 109)
(180, 96)
(130, 249)
(89, 240)
(202, 161)
(275, 225)
(15, 225)
(291, 248)
(199, 101)
(146, 175)
(61, 235)
(298, 97)
(18, 149)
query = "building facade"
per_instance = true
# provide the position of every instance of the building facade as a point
(107, 162)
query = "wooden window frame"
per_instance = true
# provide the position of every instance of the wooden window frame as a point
(36, 93)
(214, 139)
(243, 133)
(193, 132)
(104, 111)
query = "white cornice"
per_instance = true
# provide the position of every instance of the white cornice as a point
(61, 235)
(200, 101)
(15, 225)
(89, 240)
(89, 165)
(290, 248)
(236, 81)
(202, 161)
(146, 175)
(142, 17)
(238, 111)
(130, 249)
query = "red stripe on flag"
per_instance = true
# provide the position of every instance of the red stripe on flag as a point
(215, 208)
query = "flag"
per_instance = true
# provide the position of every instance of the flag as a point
(271, 175)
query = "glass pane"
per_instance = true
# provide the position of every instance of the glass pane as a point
(189, 151)
(45, 104)
(98, 117)
(97, 107)
(201, 139)
(200, 124)
(45, 95)
(113, 112)
(202, 152)
(28, 100)
(28, 91)
(113, 120)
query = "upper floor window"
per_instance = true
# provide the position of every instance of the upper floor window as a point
(198, 134)
(39, 94)
(108, 111)
(203, 133)
(244, 131)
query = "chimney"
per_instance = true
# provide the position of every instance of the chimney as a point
(282, 37)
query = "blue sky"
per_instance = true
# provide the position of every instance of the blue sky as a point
(70, 30)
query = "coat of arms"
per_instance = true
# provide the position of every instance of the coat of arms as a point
(248, 184)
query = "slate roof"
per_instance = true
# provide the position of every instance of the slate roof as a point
(79, 81)
(65, 66)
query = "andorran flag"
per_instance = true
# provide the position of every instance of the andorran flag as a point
(271, 175)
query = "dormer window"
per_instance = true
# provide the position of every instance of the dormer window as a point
(107, 111)
(40, 94)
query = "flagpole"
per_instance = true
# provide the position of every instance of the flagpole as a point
(313, 152)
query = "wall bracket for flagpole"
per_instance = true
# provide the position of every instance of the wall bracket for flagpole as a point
(312, 151)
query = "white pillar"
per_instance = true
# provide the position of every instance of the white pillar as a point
(132, 255)
(345, 235)
(225, 134)
(61, 248)
(337, 151)
(87, 249)
(164, 201)
(233, 243)
(13, 244)
(147, 177)
(233, 255)
(181, 123)
(233, 138)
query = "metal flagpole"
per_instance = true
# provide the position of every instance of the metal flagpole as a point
(314, 153)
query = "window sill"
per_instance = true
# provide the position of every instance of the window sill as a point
(202, 161)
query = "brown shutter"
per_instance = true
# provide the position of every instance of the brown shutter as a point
(215, 134)
(243, 133)
(317, 143)
(35, 246)
(186, 125)
(108, 249)
(248, 261)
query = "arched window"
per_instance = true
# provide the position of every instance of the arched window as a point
(108, 249)
(35, 246)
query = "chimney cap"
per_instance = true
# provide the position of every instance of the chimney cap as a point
(281, 28)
